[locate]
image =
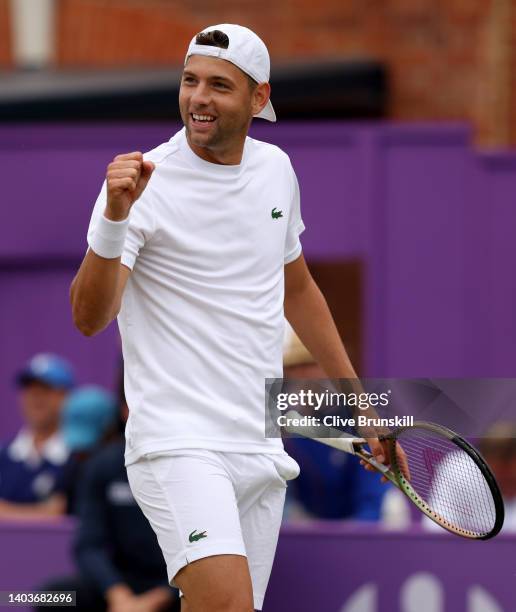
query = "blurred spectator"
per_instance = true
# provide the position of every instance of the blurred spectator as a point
(89, 415)
(498, 446)
(33, 461)
(120, 565)
(332, 484)
(89, 419)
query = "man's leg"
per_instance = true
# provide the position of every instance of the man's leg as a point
(221, 583)
(190, 502)
(261, 511)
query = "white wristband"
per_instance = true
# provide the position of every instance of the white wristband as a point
(109, 237)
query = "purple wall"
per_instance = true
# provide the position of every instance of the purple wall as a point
(33, 552)
(328, 567)
(342, 568)
(431, 219)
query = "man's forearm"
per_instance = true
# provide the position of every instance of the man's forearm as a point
(93, 293)
(50, 508)
(96, 291)
(309, 315)
(159, 598)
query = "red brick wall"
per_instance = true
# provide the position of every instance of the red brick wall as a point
(448, 59)
(5, 36)
(123, 32)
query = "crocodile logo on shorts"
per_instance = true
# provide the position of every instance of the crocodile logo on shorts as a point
(276, 214)
(194, 537)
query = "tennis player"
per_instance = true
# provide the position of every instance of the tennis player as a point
(195, 247)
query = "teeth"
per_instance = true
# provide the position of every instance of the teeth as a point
(203, 117)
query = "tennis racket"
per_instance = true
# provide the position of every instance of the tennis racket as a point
(449, 480)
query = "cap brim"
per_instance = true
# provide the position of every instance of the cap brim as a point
(267, 112)
(23, 379)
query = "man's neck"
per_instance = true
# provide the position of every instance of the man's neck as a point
(231, 157)
(41, 437)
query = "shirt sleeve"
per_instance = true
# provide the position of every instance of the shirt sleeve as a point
(295, 223)
(141, 224)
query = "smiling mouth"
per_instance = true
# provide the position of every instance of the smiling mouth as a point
(199, 119)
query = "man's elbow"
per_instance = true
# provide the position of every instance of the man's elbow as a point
(81, 320)
(87, 331)
(85, 328)
(77, 320)
(90, 326)
(84, 323)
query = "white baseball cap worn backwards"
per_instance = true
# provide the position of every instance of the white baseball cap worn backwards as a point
(245, 50)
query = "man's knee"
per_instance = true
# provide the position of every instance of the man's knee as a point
(220, 583)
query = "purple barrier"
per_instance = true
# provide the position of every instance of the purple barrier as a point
(31, 553)
(324, 567)
(430, 219)
(342, 568)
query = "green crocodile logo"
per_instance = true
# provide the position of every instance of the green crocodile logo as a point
(276, 214)
(194, 537)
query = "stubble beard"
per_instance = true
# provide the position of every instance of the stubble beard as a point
(221, 138)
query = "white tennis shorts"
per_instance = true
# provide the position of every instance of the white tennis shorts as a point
(202, 503)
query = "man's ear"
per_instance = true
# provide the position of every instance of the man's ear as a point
(261, 95)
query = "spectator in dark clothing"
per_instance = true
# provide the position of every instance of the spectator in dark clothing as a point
(32, 462)
(332, 485)
(89, 419)
(120, 563)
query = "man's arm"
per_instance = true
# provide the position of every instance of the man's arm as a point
(96, 291)
(54, 506)
(308, 313)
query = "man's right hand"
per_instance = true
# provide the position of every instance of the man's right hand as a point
(119, 598)
(127, 176)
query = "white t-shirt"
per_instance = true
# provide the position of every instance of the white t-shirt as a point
(201, 318)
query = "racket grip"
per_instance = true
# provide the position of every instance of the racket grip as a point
(324, 434)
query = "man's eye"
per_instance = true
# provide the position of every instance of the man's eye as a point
(187, 80)
(223, 85)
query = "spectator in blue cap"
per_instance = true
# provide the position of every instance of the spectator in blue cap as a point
(89, 419)
(32, 462)
(119, 565)
(89, 413)
(49, 369)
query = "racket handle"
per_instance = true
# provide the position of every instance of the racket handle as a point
(325, 435)
(367, 456)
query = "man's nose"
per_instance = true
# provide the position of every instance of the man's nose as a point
(201, 95)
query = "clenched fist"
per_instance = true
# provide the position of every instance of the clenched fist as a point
(127, 176)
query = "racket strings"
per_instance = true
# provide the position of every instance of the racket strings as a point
(449, 481)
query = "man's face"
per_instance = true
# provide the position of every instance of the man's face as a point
(41, 405)
(216, 89)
